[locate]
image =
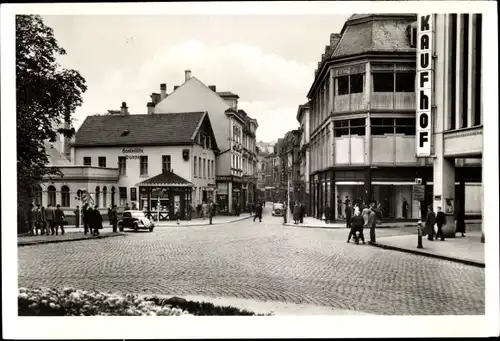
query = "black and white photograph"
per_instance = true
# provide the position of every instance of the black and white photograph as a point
(327, 167)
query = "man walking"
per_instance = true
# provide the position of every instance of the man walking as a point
(356, 226)
(440, 221)
(38, 221)
(302, 210)
(96, 221)
(211, 212)
(258, 212)
(43, 223)
(372, 222)
(59, 220)
(430, 220)
(348, 215)
(114, 218)
(49, 217)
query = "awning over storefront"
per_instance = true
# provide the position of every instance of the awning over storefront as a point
(165, 179)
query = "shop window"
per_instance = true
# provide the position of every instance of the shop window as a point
(122, 165)
(65, 196)
(342, 85)
(123, 195)
(166, 163)
(144, 165)
(51, 193)
(341, 128)
(382, 126)
(102, 161)
(405, 82)
(405, 126)
(358, 126)
(97, 196)
(104, 196)
(87, 161)
(356, 83)
(383, 82)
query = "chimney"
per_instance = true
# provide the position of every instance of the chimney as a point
(163, 90)
(175, 87)
(124, 109)
(155, 98)
(187, 74)
(213, 88)
(151, 108)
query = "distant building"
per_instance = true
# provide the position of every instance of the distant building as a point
(304, 155)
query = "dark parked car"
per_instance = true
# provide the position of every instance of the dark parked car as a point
(135, 220)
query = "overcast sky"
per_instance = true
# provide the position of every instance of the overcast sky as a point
(268, 61)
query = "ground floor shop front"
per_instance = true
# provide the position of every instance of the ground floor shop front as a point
(392, 188)
(233, 192)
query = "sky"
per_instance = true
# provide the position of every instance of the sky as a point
(268, 61)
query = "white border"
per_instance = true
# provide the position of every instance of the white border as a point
(310, 327)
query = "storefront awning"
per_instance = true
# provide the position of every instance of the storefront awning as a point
(165, 179)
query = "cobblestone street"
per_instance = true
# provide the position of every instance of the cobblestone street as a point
(265, 261)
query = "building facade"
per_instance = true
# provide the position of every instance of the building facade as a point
(450, 98)
(304, 155)
(228, 127)
(363, 120)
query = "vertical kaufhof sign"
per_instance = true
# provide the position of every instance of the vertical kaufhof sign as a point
(425, 40)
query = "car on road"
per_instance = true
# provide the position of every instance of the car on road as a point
(135, 220)
(277, 209)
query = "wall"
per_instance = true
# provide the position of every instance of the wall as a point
(195, 96)
(201, 181)
(390, 149)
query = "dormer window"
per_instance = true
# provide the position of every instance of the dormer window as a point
(125, 133)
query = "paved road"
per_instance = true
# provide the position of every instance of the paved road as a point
(264, 261)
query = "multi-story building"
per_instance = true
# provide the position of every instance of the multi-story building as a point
(228, 127)
(304, 155)
(249, 158)
(289, 149)
(264, 168)
(450, 111)
(363, 120)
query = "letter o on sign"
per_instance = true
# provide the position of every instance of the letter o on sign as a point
(424, 120)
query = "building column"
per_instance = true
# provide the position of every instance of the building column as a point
(460, 201)
(367, 185)
(459, 70)
(444, 188)
(471, 86)
(230, 197)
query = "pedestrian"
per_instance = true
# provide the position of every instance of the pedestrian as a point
(211, 211)
(134, 206)
(285, 213)
(237, 209)
(177, 213)
(357, 223)
(366, 215)
(405, 208)
(127, 207)
(109, 215)
(372, 223)
(31, 219)
(296, 213)
(460, 222)
(87, 218)
(204, 210)
(59, 218)
(96, 223)
(348, 215)
(430, 220)
(77, 217)
(45, 230)
(38, 220)
(258, 212)
(49, 217)
(339, 207)
(114, 218)
(346, 201)
(302, 212)
(440, 221)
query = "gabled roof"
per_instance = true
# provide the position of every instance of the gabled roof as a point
(166, 179)
(135, 130)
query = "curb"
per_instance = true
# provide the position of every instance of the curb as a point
(343, 227)
(21, 244)
(206, 224)
(425, 254)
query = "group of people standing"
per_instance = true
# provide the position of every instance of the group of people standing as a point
(46, 220)
(91, 219)
(363, 217)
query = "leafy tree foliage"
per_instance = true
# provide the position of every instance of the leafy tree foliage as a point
(46, 96)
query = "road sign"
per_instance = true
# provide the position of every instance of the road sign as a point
(419, 192)
(85, 197)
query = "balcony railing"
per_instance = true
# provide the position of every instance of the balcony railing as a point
(392, 100)
(350, 102)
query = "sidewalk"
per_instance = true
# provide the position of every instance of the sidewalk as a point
(67, 237)
(217, 220)
(467, 250)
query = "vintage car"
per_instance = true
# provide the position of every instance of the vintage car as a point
(277, 209)
(135, 220)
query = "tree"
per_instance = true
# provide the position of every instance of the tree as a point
(46, 96)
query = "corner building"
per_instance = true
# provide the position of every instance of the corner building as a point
(363, 120)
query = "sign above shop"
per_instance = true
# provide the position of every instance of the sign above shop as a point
(424, 84)
(132, 150)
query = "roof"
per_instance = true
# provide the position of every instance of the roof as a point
(156, 129)
(301, 110)
(227, 94)
(166, 179)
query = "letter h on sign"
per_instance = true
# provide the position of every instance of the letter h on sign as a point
(424, 85)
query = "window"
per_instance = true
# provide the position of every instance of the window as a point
(144, 165)
(122, 165)
(51, 192)
(204, 168)
(123, 195)
(102, 161)
(65, 196)
(87, 161)
(113, 195)
(382, 126)
(166, 163)
(356, 83)
(341, 128)
(195, 166)
(405, 82)
(97, 196)
(213, 169)
(104, 196)
(383, 82)
(406, 126)
(38, 195)
(358, 126)
(342, 85)
(199, 167)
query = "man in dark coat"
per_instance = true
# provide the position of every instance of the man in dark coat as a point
(348, 215)
(237, 209)
(302, 212)
(96, 222)
(405, 209)
(258, 212)
(38, 220)
(114, 218)
(357, 223)
(86, 216)
(430, 220)
(211, 211)
(59, 219)
(440, 221)
(372, 222)
(460, 217)
(49, 217)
